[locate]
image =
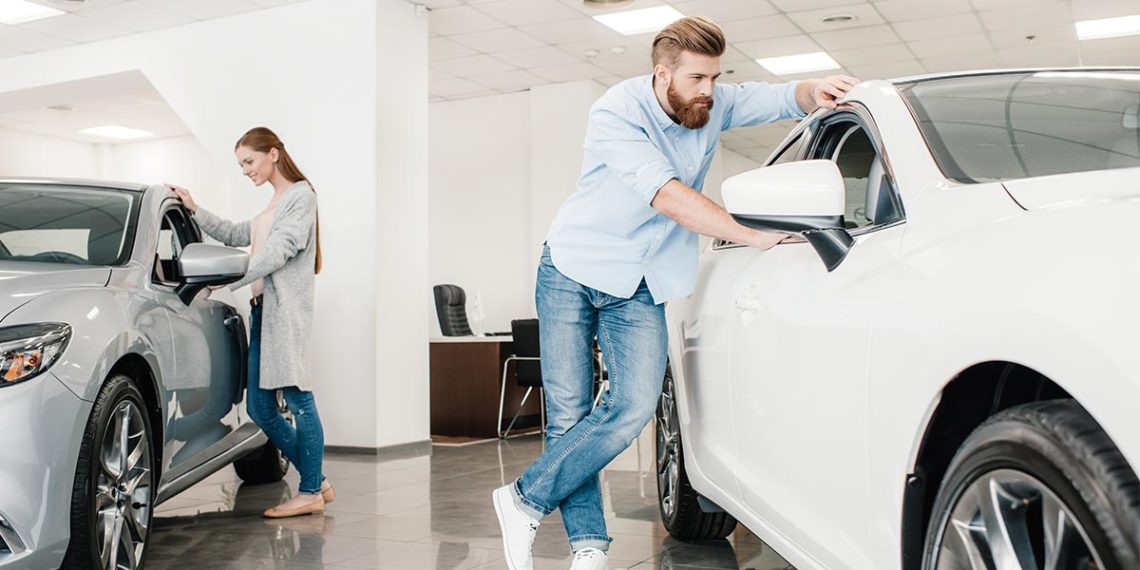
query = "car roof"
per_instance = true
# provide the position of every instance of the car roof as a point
(87, 183)
(957, 74)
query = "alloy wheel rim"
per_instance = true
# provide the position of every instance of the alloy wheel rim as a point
(123, 489)
(1010, 520)
(668, 451)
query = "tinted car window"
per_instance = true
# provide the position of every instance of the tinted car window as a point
(64, 224)
(1008, 126)
(792, 151)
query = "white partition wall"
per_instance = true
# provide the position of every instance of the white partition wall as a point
(310, 71)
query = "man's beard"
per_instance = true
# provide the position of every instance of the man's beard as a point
(692, 114)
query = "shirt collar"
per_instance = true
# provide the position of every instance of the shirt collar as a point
(663, 119)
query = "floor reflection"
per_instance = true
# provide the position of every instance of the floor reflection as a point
(430, 511)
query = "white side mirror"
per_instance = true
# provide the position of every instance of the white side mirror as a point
(805, 197)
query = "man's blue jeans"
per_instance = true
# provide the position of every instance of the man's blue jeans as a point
(580, 442)
(304, 445)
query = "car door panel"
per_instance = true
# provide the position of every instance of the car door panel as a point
(209, 346)
(800, 339)
(704, 332)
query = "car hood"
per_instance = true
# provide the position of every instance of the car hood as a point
(21, 282)
(1076, 189)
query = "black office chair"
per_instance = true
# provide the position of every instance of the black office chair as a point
(528, 370)
(451, 308)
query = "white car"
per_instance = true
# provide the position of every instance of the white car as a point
(945, 374)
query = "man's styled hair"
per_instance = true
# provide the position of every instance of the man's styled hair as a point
(691, 33)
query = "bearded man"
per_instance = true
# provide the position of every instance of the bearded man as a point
(621, 245)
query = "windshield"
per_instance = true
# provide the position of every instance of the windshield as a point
(65, 224)
(1020, 125)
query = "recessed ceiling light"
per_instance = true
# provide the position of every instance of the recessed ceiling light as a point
(643, 21)
(801, 63)
(617, 50)
(590, 53)
(21, 11)
(117, 132)
(838, 19)
(1108, 27)
(605, 3)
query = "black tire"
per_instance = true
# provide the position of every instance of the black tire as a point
(119, 399)
(264, 465)
(1046, 461)
(677, 502)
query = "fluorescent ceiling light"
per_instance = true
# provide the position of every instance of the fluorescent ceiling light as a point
(1108, 27)
(21, 11)
(644, 21)
(116, 132)
(801, 63)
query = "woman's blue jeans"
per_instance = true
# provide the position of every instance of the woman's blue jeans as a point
(303, 445)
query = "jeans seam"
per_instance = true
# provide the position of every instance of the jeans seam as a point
(574, 445)
(594, 427)
(610, 347)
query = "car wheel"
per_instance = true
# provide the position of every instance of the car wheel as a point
(112, 499)
(678, 503)
(266, 464)
(1038, 486)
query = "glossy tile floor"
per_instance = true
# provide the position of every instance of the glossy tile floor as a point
(428, 512)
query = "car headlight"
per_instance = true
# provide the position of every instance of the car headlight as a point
(26, 351)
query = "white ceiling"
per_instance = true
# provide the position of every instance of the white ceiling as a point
(484, 47)
(93, 20)
(124, 99)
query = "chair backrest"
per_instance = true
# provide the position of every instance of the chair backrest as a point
(526, 341)
(451, 308)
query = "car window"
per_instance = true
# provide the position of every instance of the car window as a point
(64, 224)
(174, 234)
(870, 196)
(1019, 125)
(791, 152)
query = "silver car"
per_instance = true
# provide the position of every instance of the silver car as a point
(121, 375)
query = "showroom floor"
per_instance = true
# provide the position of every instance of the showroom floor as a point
(423, 513)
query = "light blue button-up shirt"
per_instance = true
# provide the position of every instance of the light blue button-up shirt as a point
(606, 235)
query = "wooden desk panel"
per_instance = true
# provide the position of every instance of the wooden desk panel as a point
(465, 388)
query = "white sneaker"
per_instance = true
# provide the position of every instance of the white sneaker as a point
(517, 527)
(590, 559)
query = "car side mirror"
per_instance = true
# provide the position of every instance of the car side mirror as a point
(202, 265)
(806, 197)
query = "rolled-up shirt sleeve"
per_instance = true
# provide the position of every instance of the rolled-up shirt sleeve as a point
(755, 103)
(627, 151)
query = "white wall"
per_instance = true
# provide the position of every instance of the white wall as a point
(27, 154)
(176, 160)
(480, 205)
(402, 285)
(500, 167)
(309, 71)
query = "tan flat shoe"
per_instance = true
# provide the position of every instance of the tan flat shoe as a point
(327, 492)
(296, 507)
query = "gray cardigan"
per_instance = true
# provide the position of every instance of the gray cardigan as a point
(286, 261)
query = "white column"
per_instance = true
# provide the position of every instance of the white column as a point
(403, 290)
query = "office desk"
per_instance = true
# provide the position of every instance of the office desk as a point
(465, 377)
